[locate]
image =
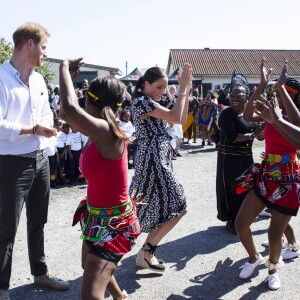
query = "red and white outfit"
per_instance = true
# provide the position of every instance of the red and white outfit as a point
(108, 217)
(277, 179)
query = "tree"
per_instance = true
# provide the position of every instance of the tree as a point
(6, 50)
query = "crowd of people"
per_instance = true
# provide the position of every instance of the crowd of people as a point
(52, 136)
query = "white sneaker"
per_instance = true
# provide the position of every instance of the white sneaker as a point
(266, 243)
(264, 213)
(248, 269)
(4, 295)
(289, 253)
(273, 282)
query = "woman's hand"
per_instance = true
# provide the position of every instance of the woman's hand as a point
(283, 75)
(269, 111)
(265, 74)
(185, 77)
(74, 66)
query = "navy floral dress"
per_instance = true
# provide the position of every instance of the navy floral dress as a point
(158, 195)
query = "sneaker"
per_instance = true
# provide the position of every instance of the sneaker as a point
(4, 295)
(266, 214)
(289, 253)
(266, 243)
(273, 282)
(248, 269)
(51, 282)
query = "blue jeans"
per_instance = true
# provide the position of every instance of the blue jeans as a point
(23, 180)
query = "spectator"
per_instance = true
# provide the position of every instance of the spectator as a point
(126, 124)
(25, 127)
(224, 96)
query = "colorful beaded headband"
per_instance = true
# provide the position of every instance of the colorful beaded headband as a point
(274, 88)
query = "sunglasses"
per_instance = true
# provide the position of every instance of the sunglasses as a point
(238, 96)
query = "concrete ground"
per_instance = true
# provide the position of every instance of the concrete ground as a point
(202, 258)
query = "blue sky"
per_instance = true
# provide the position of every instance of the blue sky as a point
(141, 32)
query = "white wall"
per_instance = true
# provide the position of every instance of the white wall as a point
(55, 69)
(221, 80)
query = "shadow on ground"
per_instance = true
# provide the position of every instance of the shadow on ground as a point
(179, 252)
(32, 292)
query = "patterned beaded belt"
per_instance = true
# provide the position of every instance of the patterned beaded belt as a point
(280, 158)
(278, 166)
(99, 218)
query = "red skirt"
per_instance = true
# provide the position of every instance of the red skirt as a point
(276, 182)
(111, 237)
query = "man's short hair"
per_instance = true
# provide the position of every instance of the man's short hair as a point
(29, 31)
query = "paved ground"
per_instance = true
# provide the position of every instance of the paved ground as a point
(202, 258)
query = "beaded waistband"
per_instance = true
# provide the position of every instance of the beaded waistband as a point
(100, 218)
(280, 158)
(110, 212)
(278, 166)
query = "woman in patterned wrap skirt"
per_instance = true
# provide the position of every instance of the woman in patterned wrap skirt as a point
(160, 199)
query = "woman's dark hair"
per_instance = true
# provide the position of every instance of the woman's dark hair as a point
(291, 83)
(153, 74)
(294, 84)
(123, 113)
(106, 93)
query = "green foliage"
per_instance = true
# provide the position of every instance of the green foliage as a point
(46, 71)
(6, 50)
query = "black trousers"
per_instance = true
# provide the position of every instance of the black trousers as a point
(73, 165)
(23, 180)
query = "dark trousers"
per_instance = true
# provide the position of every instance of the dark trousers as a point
(74, 165)
(23, 180)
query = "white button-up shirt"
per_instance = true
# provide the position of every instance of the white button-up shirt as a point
(21, 105)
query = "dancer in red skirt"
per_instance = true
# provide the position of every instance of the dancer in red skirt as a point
(276, 185)
(107, 216)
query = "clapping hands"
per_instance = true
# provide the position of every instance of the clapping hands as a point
(269, 110)
(185, 77)
(265, 74)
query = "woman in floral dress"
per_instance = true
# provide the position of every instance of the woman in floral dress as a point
(159, 197)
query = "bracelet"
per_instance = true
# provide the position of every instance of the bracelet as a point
(184, 94)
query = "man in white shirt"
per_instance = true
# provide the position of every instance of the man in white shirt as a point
(25, 125)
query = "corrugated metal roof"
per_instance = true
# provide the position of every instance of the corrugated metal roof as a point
(225, 61)
(114, 71)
